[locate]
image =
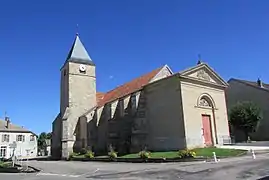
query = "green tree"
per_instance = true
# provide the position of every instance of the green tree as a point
(42, 140)
(49, 135)
(244, 116)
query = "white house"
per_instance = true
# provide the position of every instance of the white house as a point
(16, 139)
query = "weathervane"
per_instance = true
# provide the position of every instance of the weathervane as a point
(77, 30)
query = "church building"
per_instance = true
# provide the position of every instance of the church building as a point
(160, 111)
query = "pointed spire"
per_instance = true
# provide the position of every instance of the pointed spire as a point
(78, 53)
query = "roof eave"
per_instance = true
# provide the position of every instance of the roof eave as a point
(17, 131)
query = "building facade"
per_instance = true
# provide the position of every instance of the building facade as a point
(160, 110)
(17, 141)
(257, 92)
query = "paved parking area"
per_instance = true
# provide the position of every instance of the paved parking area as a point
(235, 168)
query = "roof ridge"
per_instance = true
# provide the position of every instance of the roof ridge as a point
(14, 126)
(133, 80)
(250, 83)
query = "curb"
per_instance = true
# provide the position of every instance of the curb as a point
(139, 160)
(34, 168)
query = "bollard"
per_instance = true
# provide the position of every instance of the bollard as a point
(215, 157)
(253, 154)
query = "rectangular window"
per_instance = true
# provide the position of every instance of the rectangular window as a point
(121, 107)
(5, 138)
(108, 111)
(3, 151)
(32, 138)
(133, 104)
(20, 138)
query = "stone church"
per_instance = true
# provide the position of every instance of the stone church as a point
(160, 110)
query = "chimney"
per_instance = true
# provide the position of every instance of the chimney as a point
(259, 82)
(8, 122)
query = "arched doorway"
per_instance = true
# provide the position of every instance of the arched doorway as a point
(207, 105)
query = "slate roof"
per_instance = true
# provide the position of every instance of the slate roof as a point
(252, 84)
(12, 127)
(126, 89)
(78, 53)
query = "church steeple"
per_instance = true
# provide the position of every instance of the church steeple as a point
(78, 53)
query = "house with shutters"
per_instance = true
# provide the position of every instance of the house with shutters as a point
(16, 140)
(253, 91)
(160, 110)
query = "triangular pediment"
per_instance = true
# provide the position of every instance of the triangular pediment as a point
(163, 73)
(203, 72)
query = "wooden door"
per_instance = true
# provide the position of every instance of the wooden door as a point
(207, 130)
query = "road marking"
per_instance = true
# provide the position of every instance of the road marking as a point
(90, 173)
(62, 175)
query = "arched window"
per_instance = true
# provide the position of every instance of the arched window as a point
(205, 102)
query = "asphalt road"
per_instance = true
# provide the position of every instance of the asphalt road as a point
(235, 168)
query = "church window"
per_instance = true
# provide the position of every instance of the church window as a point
(204, 102)
(108, 110)
(133, 101)
(64, 72)
(121, 107)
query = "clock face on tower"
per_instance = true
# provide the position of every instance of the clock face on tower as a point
(82, 68)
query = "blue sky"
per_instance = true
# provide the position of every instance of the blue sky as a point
(125, 38)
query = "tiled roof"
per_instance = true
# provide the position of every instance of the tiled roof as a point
(127, 88)
(12, 127)
(99, 96)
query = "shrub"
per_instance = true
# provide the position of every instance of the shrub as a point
(186, 153)
(73, 155)
(5, 164)
(112, 155)
(144, 154)
(83, 151)
(89, 154)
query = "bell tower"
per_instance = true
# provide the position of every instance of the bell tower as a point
(78, 92)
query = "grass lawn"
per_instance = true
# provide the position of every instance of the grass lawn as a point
(208, 152)
(205, 152)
